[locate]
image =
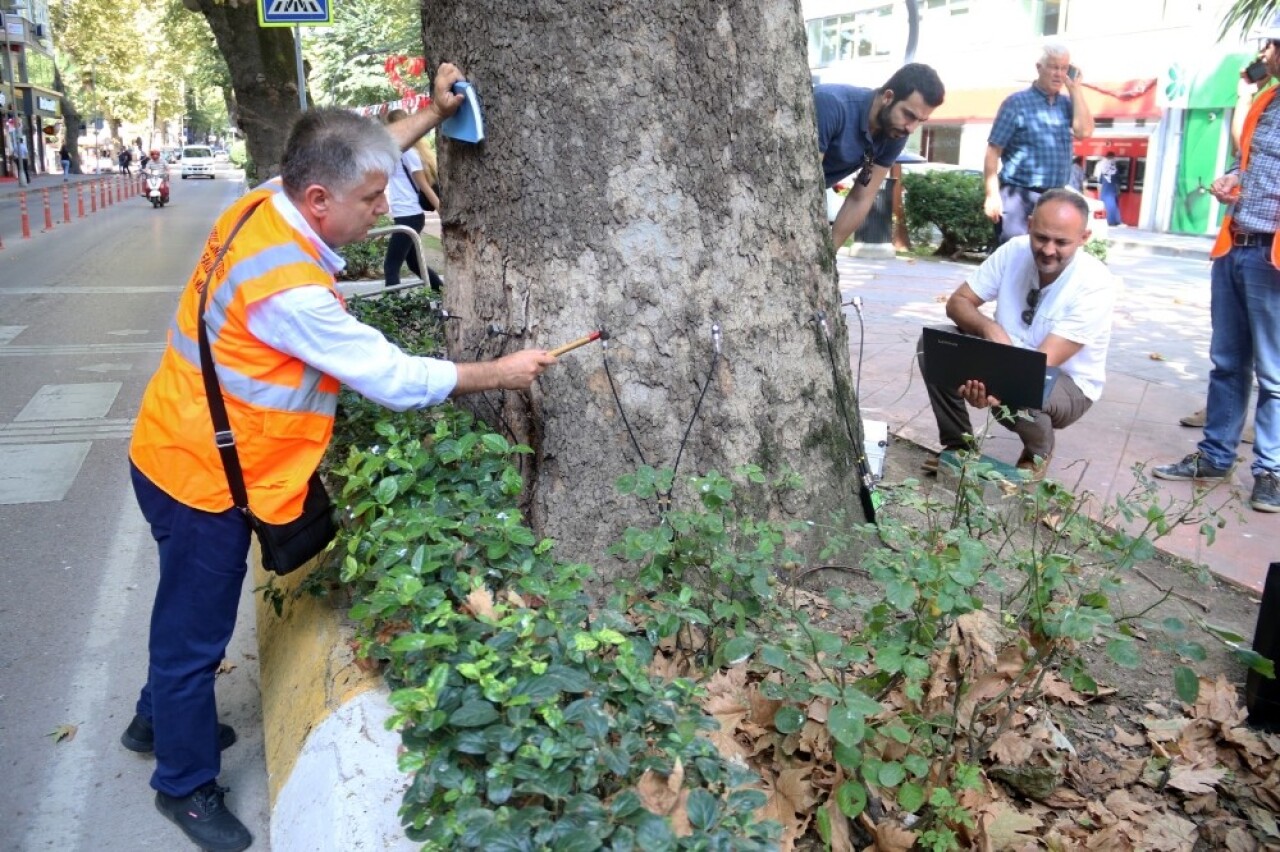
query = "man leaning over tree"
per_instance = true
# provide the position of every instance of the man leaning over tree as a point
(284, 343)
(864, 130)
(1029, 149)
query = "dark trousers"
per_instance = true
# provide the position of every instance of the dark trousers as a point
(202, 567)
(1067, 404)
(400, 250)
(1017, 202)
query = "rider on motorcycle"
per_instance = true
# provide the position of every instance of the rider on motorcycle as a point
(155, 167)
(154, 164)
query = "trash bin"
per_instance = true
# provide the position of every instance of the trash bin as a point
(878, 226)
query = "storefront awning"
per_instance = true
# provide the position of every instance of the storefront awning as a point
(1128, 100)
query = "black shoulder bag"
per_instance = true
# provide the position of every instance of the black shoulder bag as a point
(285, 547)
(423, 201)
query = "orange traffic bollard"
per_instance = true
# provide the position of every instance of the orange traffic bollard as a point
(48, 211)
(79, 201)
(102, 193)
(66, 205)
(26, 220)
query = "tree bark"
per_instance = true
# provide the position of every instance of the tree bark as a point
(263, 77)
(651, 168)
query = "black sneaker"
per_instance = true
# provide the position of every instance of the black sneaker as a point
(204, 818)
(1191, 467)
(1266, 492)
(140, 736)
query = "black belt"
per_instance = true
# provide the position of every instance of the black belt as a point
(1040, 189)
(1240, 239)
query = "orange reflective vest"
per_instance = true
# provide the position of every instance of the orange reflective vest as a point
(281, 410)
(1223, 244)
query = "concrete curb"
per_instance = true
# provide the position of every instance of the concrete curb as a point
(332, 781)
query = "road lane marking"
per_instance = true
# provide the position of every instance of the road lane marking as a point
(39, 473)
(56, 350)
(86, 401)
(61, 431)
(100, 290)
(59, 819)
(9, 332)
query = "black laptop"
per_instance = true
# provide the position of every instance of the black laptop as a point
(1019, 378)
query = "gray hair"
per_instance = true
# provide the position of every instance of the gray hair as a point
(337, 149)
(1053, 50)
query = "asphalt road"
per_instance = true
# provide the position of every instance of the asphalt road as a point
(83, 313)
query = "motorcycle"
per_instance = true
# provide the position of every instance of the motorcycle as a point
(155, 188)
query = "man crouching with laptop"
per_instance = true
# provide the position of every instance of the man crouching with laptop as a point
(1051, 297)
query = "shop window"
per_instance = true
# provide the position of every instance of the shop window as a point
(841, 38)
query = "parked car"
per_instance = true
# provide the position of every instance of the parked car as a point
(197, 161)
(220, 155)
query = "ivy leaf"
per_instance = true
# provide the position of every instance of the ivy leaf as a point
(386, 490)
(738, 650)
(891, 774)
(473, 714)
(851, 798)
(910, 797)
(702, 808)
(845, 725)
(788, 720)
(1124, 652)
(1187, 684)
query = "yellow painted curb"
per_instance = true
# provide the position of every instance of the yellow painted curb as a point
(307, 666)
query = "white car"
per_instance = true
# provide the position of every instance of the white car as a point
(197, 161)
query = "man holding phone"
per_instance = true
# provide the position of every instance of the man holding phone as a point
(1029, 149)
(1244, 306)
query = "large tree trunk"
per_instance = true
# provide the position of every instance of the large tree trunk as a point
(651, 168)
(263, 75)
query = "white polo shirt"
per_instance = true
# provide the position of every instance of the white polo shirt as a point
(1078, 307)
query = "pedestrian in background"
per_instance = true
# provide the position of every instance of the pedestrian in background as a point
(864, 130)
(123, 159)
(283, 344)
(1244, 307)
(1105, 173)
(1029, 148)
(410, 193)
(65, 157)
(1077, 175)
(24, 157)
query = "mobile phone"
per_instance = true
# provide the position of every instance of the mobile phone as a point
(1073, 72)
(1256, 72)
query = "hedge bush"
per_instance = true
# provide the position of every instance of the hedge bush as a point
(951, 201)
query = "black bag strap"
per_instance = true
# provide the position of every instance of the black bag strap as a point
(222, 435)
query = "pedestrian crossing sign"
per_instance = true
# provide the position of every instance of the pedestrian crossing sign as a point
(291, 13)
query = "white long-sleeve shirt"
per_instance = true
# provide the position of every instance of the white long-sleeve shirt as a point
(311, 325)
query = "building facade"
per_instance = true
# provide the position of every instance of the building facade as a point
(31, 105)
(1161, 85)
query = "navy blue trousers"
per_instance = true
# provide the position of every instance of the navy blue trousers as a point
(202, 568)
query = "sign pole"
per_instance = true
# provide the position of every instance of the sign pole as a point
(302, 78)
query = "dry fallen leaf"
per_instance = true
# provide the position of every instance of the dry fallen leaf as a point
(224, 667)
(891, 837)
(64, 733)
(666, 797)
(480, 602)
(1156, 356)
(1190, 780)
(1005, 828)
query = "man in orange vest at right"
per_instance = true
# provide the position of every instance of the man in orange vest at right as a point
(1245, 306)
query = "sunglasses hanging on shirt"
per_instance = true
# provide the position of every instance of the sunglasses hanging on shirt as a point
(1033, 302)
(864, 174)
